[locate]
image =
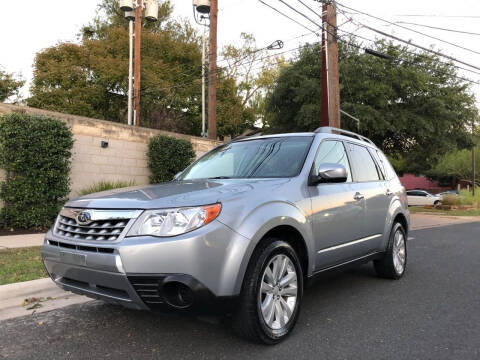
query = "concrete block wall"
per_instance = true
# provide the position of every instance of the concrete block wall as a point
(123, 160)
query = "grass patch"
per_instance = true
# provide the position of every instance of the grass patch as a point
(21, 264)
(106, 185)
(421, 209)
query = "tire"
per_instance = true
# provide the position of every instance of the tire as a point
(249, 320)
(389, 266)
(436, 203)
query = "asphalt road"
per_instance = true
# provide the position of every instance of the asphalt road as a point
(432, 313)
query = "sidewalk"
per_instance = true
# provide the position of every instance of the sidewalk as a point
(20, 241)
(49, 297)
(424, 220)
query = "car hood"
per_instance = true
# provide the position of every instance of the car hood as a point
(174, 194)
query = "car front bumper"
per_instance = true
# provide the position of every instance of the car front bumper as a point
(196, 272)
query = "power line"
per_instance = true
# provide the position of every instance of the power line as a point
(309, 8)
(300, 13)
(442, 16)
(408, 51)
(421, 47)
(288, 17)
(412, 63)
(439, 28)
(408, 42)
(412, 30)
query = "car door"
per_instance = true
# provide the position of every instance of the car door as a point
(412, 197)
(420, 198)
(337, 218)
(369, 184)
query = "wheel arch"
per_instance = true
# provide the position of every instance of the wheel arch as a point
(288, 229)
(294, 238)
(402, 219)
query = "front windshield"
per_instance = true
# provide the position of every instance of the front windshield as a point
(258, 158)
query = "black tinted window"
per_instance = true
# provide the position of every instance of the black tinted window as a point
(364, 168)
(332, 152)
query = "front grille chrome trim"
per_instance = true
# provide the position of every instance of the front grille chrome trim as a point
(103, 225)
(102, 214)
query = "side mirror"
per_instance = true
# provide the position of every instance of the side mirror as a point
(330, 173)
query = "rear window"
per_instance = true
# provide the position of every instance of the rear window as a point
(385, 166)
(364, 168)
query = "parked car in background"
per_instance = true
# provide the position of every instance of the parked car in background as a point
(450, 192)
(241, 230)
(422, 198)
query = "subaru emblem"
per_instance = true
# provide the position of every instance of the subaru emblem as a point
(84, 218)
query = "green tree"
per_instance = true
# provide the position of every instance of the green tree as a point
(9, 85)
(413, 106)
(457, 163)
(91, 78)
(254, 71)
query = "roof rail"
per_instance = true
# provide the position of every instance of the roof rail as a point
(333, 130)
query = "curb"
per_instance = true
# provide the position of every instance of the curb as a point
(48, 297)
(21, 241)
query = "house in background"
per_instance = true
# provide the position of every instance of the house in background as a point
(412, 181)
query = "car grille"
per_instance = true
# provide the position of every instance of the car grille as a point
(102, 225)
(98, 230)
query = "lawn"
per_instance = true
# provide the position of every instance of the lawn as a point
(21, 265)
(421, 209)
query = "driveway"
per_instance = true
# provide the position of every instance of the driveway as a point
(432, 313)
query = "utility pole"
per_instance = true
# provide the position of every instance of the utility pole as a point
(330, 105)
(130, 72)
(473, 157)
(204, 131)
(212, 83)
(137, 76)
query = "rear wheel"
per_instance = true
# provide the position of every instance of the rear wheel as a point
(393, 264)
(271, 294)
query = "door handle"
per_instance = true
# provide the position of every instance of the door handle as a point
(358, 196)
(389, 193)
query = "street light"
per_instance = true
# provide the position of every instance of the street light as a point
(132, 14)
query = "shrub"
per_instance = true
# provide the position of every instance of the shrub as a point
(106, 185)
(167, 156)
(451, 200)
(468, 199)
(35, 151)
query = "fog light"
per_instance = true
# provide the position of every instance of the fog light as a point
(178, 295)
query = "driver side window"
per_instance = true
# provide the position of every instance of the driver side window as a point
(333, 152)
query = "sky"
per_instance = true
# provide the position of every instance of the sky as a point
(43, 26)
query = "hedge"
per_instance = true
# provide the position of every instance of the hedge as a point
(35, 152)
(167, 156)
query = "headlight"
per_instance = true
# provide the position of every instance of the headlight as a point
(171, 222)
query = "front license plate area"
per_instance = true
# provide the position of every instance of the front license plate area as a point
(73, 258)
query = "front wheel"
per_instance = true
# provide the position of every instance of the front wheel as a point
(271, 293)
(393, 264)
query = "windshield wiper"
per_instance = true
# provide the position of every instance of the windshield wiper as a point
(219, 177)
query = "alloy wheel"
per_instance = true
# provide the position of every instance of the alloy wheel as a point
(399, 252)
(278, 292)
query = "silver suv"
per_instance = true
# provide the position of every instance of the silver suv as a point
(241, 231)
